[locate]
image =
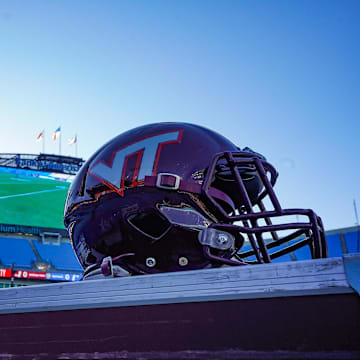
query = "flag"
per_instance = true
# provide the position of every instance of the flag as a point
(40, 136)
(72, 140)
(56, 133)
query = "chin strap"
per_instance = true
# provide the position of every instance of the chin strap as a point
(174, 182)
(107, 269)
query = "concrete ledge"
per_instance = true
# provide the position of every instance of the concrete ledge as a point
(303, 278)
(294, 310)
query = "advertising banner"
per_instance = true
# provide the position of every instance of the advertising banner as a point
(35, 275)
(22, 274)
(5, 273)
(64, 276)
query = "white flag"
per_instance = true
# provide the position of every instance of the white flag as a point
(72, 140)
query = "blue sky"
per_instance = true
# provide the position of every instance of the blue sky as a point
(281, 77)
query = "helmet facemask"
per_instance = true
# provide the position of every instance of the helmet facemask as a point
(251, 178)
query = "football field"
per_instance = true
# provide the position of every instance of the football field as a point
(32, 200)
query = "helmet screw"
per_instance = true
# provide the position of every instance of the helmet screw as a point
(150, 262)
(222, 239)
(183, 261)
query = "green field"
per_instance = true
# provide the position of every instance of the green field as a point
(32, 201)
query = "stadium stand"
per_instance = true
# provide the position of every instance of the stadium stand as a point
(34, 245)
(339, 241)
(343, 241)
(28, 252)
(17, 252)
(286, 257)
(352, 241)
(302, 253)
(334, 245)
(60, 256)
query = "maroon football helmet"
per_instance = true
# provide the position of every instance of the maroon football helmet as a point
(177, 196)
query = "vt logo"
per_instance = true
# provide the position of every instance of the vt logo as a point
(147, 152)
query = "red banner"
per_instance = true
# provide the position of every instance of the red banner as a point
(29, 274)
(5, 273)
(33, 275)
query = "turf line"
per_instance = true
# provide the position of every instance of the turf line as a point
(27, 194)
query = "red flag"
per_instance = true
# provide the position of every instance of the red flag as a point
(40, 136)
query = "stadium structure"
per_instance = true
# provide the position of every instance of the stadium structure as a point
(34, 245)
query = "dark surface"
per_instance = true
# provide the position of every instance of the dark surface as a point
(242, 328)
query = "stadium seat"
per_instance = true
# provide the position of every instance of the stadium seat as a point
(334, 245)
(17, 252)
(60, 256)
(300, 254)
(303, 253)
(352, 240)
(282, 258)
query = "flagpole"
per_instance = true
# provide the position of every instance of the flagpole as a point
(73, 141)
(356, 213)
(60, 143)
(41, 137)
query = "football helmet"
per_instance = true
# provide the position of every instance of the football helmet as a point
(177, 196)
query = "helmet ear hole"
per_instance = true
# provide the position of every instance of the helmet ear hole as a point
(150, 223)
